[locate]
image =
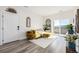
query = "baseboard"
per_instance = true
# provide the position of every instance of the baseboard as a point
(22, 38)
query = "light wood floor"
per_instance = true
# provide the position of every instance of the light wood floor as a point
(24, 46)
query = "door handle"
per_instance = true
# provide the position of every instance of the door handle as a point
(18, 27)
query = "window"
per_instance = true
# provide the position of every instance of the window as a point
(59, 26)
(63, 23)
(56, 26)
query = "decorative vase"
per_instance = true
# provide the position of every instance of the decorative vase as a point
(72, 45)
(70, 31)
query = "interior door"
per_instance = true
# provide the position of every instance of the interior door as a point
(10, 27)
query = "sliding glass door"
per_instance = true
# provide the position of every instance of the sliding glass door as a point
(56, 27)
(59, 26)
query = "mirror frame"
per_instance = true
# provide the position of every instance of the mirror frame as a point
(28, 22)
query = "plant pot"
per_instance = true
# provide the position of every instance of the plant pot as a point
(71, 45)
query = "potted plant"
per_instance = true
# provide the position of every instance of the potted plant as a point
(71, 40)
(45, 27)
(70, 29)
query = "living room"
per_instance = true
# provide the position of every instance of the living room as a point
(16, 22)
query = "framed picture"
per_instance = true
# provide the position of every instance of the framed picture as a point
(28, 22)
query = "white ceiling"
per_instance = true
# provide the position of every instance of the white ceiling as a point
(48, 10)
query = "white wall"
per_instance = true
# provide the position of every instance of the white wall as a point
(36, 21)
(0, 29)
